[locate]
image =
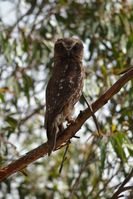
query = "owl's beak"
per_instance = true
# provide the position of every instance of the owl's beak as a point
(68, 51)
(69, 48)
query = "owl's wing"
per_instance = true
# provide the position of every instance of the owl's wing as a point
(59, 92)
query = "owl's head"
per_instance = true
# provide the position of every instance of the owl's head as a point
(68, 47)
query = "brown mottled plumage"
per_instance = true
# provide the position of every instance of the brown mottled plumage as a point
(64, 87)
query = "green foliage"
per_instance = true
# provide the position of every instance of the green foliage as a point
(93, 165)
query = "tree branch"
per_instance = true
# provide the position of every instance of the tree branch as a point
(122, 188)
(23, 120)
(68, 133)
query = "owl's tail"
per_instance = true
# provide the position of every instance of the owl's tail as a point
(52, 136)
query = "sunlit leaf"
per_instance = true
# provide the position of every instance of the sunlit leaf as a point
(117, 142)
(103, 155)
(27, 85)
(11, 121)
(2, 98)
(4, 90)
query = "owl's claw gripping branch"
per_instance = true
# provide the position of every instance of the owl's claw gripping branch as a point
(70, 121)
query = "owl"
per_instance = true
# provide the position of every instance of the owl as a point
(64, 87)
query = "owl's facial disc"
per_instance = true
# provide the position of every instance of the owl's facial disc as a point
(68, 46)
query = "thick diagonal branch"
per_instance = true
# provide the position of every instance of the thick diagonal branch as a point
(69, 132)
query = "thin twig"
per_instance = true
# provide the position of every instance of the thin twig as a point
(29, 11)
(64, 157)
(122, 188)
(93, 115)
(82, 169)
(23, 120)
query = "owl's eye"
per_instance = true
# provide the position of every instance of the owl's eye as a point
(76, 47)
(59, 46)
(59, 40)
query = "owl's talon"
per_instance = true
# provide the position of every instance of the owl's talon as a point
(70, 121)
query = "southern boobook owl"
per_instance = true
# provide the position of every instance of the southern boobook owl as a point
(64, 87)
